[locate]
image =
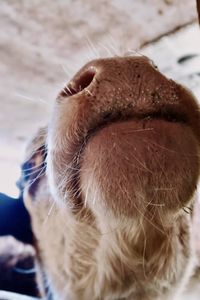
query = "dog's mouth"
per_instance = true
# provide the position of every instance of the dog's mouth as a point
(138, 164)
(136, 132)
(159, 147)
(171, 117)
(160, 144)
(166, 115)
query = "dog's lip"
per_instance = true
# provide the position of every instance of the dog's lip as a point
(168, 116)
(155, 119)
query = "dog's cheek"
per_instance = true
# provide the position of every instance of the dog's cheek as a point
(28, 200)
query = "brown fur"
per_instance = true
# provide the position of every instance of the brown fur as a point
(109, 214)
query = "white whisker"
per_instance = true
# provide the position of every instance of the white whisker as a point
(49, 212)
(41, 173)
(31, 99)
(92, 47)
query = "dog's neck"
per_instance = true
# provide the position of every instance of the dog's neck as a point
(111, 257)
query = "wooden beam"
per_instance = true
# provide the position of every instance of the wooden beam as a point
(198, 9)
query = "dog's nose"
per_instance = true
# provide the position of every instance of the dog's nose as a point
(121, 86)
(112, 73)
(128, 87)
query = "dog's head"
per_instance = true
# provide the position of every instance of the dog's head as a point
(109, 210)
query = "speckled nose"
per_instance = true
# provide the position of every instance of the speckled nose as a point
(113, 71)
(129, 87)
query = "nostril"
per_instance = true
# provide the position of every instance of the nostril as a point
(79, 83)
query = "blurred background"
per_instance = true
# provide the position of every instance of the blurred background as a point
(42, 44)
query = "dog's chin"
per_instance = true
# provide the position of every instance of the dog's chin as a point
(140, 167)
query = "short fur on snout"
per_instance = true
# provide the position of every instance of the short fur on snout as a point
(110, 211)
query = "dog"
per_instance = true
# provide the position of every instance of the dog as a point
(113, 190)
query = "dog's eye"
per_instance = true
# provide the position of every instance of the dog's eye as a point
(27, 169)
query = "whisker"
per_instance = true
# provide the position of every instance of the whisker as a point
(68, 89)
(31, 155)
(114, 45)
(150, 222)
(34, 172)
(106, 49)
(41, 173)
(34, 167)
(88, 92)
(139, 130)
(49, 212)
(92, 47)
(144, 249)
(31, 99)
(66, 71)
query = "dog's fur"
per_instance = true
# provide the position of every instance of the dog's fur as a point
(112, 204)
